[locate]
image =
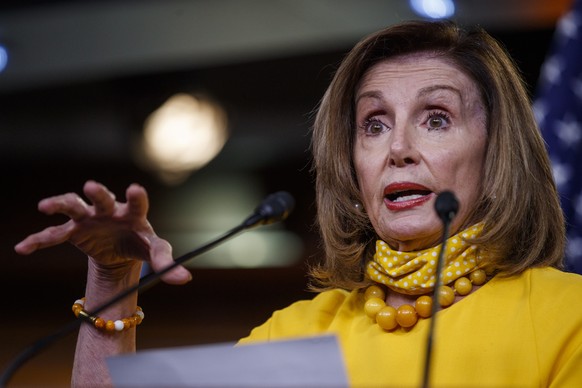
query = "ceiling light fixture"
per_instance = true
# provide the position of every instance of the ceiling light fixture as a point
(3, 58)
(183, 135)
(433, 9)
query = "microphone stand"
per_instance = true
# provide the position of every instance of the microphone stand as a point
(446, 206)
(274, 208)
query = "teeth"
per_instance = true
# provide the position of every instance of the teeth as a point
(407, 197)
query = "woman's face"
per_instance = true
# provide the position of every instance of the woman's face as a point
(420, 131)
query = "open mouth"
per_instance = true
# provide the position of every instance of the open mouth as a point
(407, 195)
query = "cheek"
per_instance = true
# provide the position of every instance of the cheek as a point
(361, 164)
(364, 173)
(368, 172)
(468, 178)
(369, 182)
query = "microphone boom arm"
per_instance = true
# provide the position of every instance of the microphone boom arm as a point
(446, 207)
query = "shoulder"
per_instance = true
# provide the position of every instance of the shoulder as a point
(544, 288)
(545, 300)
(309, 317)
(555, 281)
(556, 318)
(543, 282)
(552, 298)
(329, 302)
(554, 293)
(324, 307)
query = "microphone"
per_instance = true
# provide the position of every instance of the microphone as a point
(274, 208)
(446, 206)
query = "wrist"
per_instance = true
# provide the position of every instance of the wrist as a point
(105, 282)
(119, 273)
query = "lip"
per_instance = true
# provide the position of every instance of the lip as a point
(408, 204)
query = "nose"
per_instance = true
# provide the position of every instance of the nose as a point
(403, 147)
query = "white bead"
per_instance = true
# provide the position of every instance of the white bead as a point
(140, 313)
(119, 326)
(80, 301)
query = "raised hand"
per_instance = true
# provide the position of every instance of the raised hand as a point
(110, 232)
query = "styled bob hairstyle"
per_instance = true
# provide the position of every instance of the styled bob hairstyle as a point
(519, 204)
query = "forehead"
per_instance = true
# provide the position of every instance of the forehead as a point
(417, 71)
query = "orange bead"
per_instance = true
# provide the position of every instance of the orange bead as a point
(478, 277)
(446, 296)
(374, 292)
(126, 323)
(406, 316)
(77, 309)
(423, 306)
(99, 323)
(372, 307)
(386, 318)
(110, 326)
(463, 286)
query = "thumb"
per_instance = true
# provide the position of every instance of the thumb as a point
(161, 257)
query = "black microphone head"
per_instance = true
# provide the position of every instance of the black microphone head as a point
(446, 206)
(274, 208)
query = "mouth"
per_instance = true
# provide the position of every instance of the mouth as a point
(404, 195)
(407, 195)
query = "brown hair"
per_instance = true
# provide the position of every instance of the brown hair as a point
(524, 225)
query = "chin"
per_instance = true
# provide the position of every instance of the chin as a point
(408, 237)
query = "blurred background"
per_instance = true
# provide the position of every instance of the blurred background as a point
(208, 104)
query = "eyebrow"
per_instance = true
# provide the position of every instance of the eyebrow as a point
(376, 94)
(430, 89)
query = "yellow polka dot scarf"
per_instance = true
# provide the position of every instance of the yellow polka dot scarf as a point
(414, 272)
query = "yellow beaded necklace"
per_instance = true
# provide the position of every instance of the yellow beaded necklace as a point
(406, 316)
(414, 273)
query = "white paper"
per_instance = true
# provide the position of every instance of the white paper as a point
(306, 362)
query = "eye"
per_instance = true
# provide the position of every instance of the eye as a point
(373, 126)
(438, 120)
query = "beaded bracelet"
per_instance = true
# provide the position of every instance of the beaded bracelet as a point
(108, 326)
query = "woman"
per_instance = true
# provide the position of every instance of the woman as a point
(415, 109)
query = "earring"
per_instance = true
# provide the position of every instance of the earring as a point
(359, 207)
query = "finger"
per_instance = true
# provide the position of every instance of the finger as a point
(137, 201)
(161, 257)
(49, 237)
(102, 199)
(69, 204)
